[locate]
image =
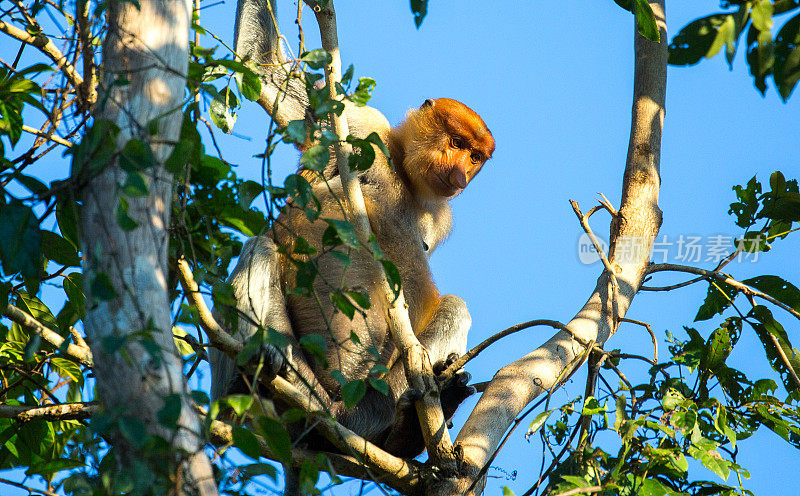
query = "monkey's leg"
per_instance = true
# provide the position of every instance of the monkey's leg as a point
(257, 283)
(445, 338)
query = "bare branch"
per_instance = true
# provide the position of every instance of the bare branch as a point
(649, 331)
(47, 47)
(218, 337)
(584, 220)
(517, 384)
(48, 136)
(63, 411)
(79, 353)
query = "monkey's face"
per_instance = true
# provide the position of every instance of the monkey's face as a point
(450, 145)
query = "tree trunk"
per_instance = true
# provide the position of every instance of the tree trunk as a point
(632, 235)
(128, 320)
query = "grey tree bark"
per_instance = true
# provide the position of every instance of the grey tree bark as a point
(632, 233)
(147, 46)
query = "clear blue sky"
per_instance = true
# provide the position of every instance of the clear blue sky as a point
(553, 82)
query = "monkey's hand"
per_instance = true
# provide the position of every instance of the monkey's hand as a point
(455, 390)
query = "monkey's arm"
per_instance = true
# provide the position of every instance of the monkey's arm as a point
(258, 289)
(283, 94)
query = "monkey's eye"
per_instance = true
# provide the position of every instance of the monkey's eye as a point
(457, 142)
(475, 157)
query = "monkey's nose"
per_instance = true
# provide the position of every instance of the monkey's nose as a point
(457, 178)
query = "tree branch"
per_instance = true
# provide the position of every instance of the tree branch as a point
(47, 47)
(719, 276)
(79, 353)
(406, 480)
(636, 226)
(416, 361)
(64, 411)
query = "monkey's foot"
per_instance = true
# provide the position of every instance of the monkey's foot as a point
(456, 389)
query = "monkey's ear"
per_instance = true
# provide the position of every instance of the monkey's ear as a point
(427, 103)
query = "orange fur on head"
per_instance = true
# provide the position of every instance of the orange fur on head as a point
(440, 147)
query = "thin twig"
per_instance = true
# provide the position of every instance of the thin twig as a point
(649, 331)
(584, 220)
(720, 276)
(466, 357)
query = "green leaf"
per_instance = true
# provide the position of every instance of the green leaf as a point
(102, 289)
(352, 392)
(250, 85)
(392, 277)
(363, 91)
(718, 298)
(277, 438)
(315, 345)
(136, 155)
(338, 377)
(67, 368)
(248, 191)
(760, 56)
(718, 347)
(67, 215)
(787, 57)
(379, 385)
(696, 39)
(221, 109)
(20, 250)
(126, 223)
(762, 15)
(651, 487)
(239, 402)
(707, 454)
(329, 107)
(169, 413)
(135, 185)
(508, 492)
(247, 442)
(59, 250)
(345, 231)
(770, 331)
(361, 298)
(778, 288)
(309, 475)
(746, 208)
(35, 307)
(420, 9)
(646, 21)
(343, 304)
(316, 59)
(295, 132)
(538, 423)
(256, 469)
(251, 348)
(302, 247)
(316, 158)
